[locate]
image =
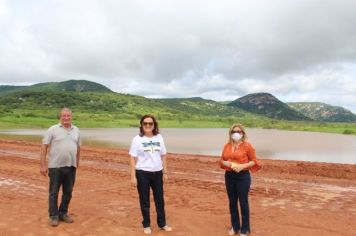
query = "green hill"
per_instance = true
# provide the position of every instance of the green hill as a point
(197, 105)
(95, 105)
(199, 108)
(8, 88)
(268, 105)
(323, 112)
(66, 86)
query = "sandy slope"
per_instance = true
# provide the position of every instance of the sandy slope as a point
(287, 198)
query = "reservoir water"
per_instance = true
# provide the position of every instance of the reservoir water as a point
(269, 144)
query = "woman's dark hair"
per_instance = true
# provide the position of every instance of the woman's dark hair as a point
(155, 130)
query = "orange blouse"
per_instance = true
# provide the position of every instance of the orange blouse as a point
(243, 154)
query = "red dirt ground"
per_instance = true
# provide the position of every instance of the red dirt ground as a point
(286, 198)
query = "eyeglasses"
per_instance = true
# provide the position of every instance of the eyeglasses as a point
(147, 123)
(237, 131)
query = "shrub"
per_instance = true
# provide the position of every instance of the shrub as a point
(347, 131)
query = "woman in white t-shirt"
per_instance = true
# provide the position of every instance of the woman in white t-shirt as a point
(149, 170)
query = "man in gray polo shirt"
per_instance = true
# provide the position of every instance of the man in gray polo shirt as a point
(63, 141)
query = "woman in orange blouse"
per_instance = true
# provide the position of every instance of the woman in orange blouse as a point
(238, 159)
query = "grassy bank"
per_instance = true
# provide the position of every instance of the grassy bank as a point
(42, 119)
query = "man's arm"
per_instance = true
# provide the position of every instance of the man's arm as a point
(43, 165)
(78, 156)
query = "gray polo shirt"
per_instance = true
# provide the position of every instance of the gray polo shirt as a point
(63, 144)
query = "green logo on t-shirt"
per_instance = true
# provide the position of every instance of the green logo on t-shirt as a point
(151, 146)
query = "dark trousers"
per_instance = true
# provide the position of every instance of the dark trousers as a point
(237, 187)
(65, 177)
(145, 181)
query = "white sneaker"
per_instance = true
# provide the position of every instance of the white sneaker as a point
(147, 230)
(167, 228)
(231, 232)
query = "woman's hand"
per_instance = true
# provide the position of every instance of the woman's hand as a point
(227, 163)
(234, 166)
(133, 181)
(237, 167)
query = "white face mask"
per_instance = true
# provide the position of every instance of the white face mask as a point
(236, 136)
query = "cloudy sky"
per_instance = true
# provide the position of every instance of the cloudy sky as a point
(298, 50)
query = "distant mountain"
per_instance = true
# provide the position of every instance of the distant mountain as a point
(90, 97)
(268, 105)
(93, 98)
(9, 88)
(66, 86)
(197, 105)
(224, 102)
(323, 112)
(46, 99)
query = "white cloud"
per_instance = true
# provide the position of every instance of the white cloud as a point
(296, 50)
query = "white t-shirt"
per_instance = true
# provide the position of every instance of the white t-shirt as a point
(148, 151)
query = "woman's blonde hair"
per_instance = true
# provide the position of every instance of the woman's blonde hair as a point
(244, 136)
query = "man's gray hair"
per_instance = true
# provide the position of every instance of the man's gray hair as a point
(63, 110)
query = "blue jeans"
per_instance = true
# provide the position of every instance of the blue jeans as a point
(65, 177)
(145, 181)
(237, 187)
